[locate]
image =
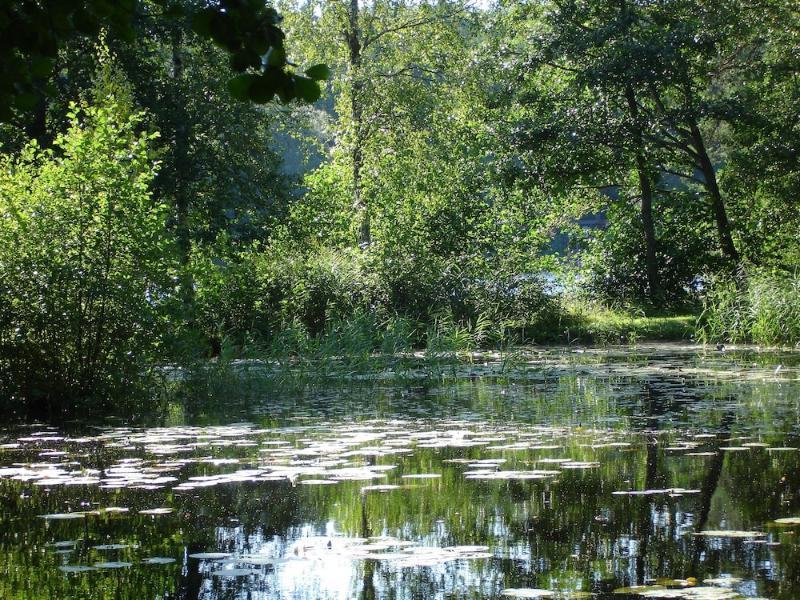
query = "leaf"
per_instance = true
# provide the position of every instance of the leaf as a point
(239, 86)
(276, 56)
(240, 61)
(25, 101)
(263, 88)
(319, 72)
(201, 22)
(307, 89)
(41, 66)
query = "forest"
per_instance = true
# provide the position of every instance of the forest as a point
(187, 183)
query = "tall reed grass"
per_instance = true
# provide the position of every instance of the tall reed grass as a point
(761, 307)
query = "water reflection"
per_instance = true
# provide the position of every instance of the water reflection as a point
(583, 475)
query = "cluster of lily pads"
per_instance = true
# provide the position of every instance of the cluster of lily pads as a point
(186, 459)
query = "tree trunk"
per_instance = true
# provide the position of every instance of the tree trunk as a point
(364, 236)
(717, 202)
(646, 208)
(180, 179)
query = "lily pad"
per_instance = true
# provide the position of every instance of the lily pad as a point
(158, 560)
(157, 511)
(235, 572)
(318, 482)
(76, 568)
(730, 533)
(210, 555)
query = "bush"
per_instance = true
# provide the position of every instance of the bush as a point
(84, 263)
(282, 297)
(316, 288)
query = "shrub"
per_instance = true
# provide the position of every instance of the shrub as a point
(84, 262)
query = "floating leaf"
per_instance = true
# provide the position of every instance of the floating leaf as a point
(64, 516)
(235, 572)
(76, 568)
(527, 593)
(158, 560)
(730, 533)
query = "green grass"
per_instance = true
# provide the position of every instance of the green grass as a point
(604, 326)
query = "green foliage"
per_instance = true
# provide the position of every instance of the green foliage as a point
(760, 307)
(281, 297)
(84, 263)
(33, 33)
(595, 324)
(614, 260)
(453, 150)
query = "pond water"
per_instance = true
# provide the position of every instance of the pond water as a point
(653, 472)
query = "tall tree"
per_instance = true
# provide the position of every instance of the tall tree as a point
(371, 47)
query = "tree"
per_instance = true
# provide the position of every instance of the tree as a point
(219, 172)
(373, 49)
(761, 175)
(32, 32)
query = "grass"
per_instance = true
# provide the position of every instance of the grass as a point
(588, 323)
(610, 327)
(762, 307)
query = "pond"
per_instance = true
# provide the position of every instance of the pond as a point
(659, 471)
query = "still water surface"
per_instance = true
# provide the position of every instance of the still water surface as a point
(657, 472)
